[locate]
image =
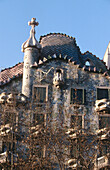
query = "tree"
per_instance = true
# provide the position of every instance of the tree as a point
(30, 141)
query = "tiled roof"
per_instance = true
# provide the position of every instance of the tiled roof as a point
(56, 43)
(99, 64)
(8, 74)
(61, 47)
(64, 45)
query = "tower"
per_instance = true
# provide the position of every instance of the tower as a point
(31, 49)
(106, 57)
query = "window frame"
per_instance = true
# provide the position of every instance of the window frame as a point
(90, 63)
(42, 86)
(82, 115)
(103, 88)
(104, 146)
(71, 145)
(83, 96)
(102, 115)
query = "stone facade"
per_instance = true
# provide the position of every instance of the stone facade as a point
(56, 65)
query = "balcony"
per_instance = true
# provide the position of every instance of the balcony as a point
(102, 105)
(3, 157)
(58, 79)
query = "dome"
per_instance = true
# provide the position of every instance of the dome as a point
(64, 45)
(60, 44)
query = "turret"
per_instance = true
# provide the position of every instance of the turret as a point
(106, 57)
(31, 49)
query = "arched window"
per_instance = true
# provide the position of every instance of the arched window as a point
(89, 63)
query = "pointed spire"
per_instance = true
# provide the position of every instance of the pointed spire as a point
(31, 42)
(106, 57)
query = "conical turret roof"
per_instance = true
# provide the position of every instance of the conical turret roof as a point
(31, 42)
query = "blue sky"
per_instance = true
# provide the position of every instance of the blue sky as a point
(86, 20)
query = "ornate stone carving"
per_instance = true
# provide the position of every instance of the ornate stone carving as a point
(102, 105)
(10, 98)
(58, 79)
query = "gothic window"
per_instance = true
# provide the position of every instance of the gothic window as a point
(78, 96)
(40, 94)
(103, 93)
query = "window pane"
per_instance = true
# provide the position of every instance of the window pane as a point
(72, 95)
(104, 121)
(76, 121)
(40, 94)
(77, 96)
(102, 93)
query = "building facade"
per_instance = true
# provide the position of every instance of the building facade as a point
(55, 72)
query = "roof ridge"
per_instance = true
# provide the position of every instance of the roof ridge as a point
(65, 35)
(11, 73)
(11, 67)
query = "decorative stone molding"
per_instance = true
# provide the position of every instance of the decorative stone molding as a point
(102, 105)
(10, 98)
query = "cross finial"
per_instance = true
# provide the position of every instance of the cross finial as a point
(31, 42)
(33, 22)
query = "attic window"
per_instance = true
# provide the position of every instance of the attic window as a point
(87, 63)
